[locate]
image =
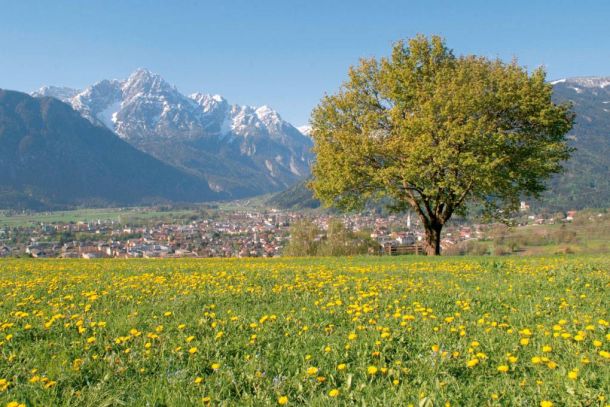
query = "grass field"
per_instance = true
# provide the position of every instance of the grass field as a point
(123, 215)
(362, 331)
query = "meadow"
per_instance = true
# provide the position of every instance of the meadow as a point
(360, 331)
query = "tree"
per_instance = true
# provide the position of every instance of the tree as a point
(433, 131)
(304, 239)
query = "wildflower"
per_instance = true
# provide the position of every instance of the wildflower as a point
(312, 371)
(282, 400)
(503, 368)
(547, 349)
(198, 380)
(193, 350)
(546, 403)
(372, 370)
(215, 366)
(472, 362)
(4, 384)
(341, 366)
(573, 374)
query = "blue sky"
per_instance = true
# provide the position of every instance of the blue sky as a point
(286, 54)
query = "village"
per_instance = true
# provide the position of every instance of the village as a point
(239, 233)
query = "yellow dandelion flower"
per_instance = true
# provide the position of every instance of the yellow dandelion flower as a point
(472, 362)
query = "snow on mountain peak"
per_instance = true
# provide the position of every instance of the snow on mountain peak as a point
(305, 130)
(144, 81)
(58, 92)
(586, 81)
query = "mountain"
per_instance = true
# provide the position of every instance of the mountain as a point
(586, 179)
(51, 157)
(305, 130)
(297, 196)
(240, 150)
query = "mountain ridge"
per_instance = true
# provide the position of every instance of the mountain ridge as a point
(51, 157)
(241, 150)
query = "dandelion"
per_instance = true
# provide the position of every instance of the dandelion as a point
(193, 350)
(503, 368)
(546, 403)
(472, 362)
(282, 400)
(372, 370)
(312, 371)
(573, 374)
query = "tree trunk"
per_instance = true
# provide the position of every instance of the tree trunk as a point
(432, 239)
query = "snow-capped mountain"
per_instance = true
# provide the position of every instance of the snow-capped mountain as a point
(584, 82)
(305, 129)
(62, 93)
(242, 150)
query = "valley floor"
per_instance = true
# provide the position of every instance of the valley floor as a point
(468, 331)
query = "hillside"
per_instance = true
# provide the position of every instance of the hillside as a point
(586, 180)
(51, 157)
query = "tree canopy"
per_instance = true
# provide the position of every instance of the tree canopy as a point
(432, 131)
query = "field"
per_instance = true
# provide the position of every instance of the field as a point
(360, 331)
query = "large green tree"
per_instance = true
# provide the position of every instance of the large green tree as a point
(432, 131)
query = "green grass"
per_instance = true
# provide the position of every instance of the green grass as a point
(123, 215)
(118, 332)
